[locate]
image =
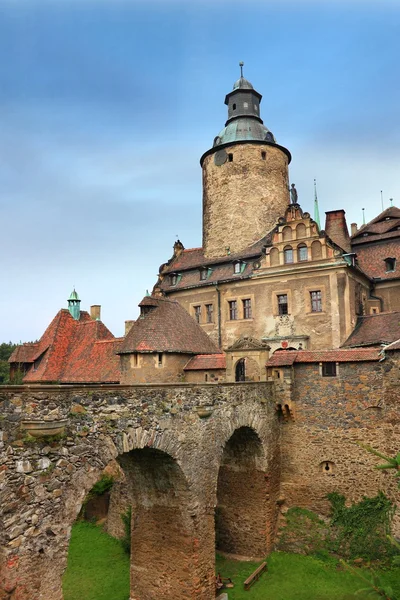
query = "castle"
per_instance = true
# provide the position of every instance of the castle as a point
(239, 392)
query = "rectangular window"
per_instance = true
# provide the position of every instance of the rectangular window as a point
(247, 309)
(282, 304)
(316, 301)
(237, 267)
(197, 313)
(203, 274)
(209, 313)
(160, 359)
(329, 369)
(233, 312)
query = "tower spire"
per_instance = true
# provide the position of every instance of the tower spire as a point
(241, 65)
(316, 207)
(74, 305)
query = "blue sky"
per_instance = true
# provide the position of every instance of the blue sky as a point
(107, 106)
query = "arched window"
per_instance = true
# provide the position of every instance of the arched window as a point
(300, 231)
(288, 255)
(274, 257)
(287, 234)
(302, 252)
(316, 250)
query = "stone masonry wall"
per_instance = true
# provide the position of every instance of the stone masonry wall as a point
(329, 415)
(43, 483)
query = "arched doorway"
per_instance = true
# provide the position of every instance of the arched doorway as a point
(240, 370)
(241, 513)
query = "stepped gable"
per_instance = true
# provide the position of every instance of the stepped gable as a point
(69, 352)
(282, 358)
(206, 362)
(166, 327)
(374, 330)
(376, 241)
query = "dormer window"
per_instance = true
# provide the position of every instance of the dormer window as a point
(390, 264)
(204, 274)
(238, 267)
(175, 278)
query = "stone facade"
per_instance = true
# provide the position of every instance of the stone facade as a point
(257, 174)
(163, 367)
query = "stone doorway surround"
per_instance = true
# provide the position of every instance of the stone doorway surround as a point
(252, 349)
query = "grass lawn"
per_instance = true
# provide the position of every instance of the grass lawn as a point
(297, 577)
(98, 569)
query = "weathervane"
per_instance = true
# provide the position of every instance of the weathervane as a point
(241, 65)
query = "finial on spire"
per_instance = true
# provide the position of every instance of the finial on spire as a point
(316, 207)
(363, 211)
(241, 65)
(391, 201)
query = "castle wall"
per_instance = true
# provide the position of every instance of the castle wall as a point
(145, 368)
(243, 199)
(329, 415)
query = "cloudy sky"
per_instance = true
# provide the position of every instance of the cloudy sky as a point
(106, 107)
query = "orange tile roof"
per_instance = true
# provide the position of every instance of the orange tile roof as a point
(282, 358)
(202, 362)
(70, 351)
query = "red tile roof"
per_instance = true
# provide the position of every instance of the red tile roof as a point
(385, 223)
(371, 258)
(71, 351)
(282, 358)
(203, 362)
(167, 328)
(373, 330)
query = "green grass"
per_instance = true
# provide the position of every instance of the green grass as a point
(98, 568)
(298, 577)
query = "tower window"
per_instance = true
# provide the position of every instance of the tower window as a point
(233, 312)
(197, 313)
(283, 304)
(316, 301)
(230, 157)
(245, 105)
(233, 106)
(390, 264)
(263, 155)
(247, 314)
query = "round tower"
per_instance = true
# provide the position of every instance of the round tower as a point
(245, 177)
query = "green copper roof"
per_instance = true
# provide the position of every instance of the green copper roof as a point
(74, 295)
(242, 129)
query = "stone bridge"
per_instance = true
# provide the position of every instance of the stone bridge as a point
(201, 467)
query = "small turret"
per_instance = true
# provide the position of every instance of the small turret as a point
(74, 305)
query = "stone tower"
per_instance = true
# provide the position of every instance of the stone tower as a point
(245, 177)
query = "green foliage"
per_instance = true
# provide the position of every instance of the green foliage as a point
(375, 589)
(102, 486)
(5, 352)
(98, 568)
(127, 521)
(360, 530)
(298, 577)
(391, 463)
(304, 532)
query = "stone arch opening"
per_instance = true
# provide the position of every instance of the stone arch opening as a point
(274, 257)
(316, 250)
(301, 231)
(240, 370)
(162, 526)
(241, 513)
(287, 233)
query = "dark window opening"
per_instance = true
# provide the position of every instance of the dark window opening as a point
(203, 274)
(160, 359)
(174, 279)
(233, 106)
(247, 309)
(240, 370)
(233, 312)
(390, 264)
(329, 369)
(197, 313)
(316, 301)
(263, 155)
(230, 157)
(283, 304)
(209, 313)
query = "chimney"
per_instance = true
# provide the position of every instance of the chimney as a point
(128, 326)
(95, 312)
(353, 228)
(336, 228)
